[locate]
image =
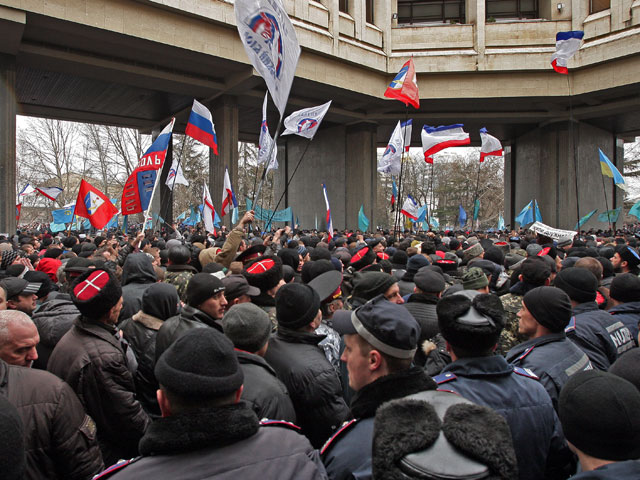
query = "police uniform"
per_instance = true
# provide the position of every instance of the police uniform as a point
(517, 395)
(552, 358)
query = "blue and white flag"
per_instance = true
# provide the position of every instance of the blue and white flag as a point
(462, 216)
(305, 122)
(176, 175)
(271, 45)
(399, 142)
(500, 222)
(434, 222)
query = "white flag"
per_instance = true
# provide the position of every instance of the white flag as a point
(228, 196)
(491, 146)
(176, 175)
(392, 156)
(271, 45)
(305, 122)
(50, 192)
(208, 211)
(27, 190)
(265, 141)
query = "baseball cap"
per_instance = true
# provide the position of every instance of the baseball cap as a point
(19, 286)
(236, 285)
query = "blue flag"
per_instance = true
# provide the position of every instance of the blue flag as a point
(462, 216)
(585, 219)
(635, 210)
(476, 209)
(435, 224)
(610, 216)
(526, 214)
(538, 215)
(363, 221)
(500, 222)
(611, 171)
(422, 214)
(57, 227)
(63, 215)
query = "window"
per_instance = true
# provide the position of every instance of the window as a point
(596, 6)
(343, 6)
(512, 9)
(368, 11)
(430, 11)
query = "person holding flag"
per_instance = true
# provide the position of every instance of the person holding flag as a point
(94, 205)
(229, 201)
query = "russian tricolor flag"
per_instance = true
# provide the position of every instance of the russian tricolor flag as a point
(200, 126)
(567, 44)
(435, 139)
(491, 146)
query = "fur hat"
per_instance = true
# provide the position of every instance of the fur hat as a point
(264, 272)
(472, 252)
(95, 292)
(363, 257)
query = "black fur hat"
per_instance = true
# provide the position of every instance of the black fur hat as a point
(363, 257)
(95, 292)
(264, 272)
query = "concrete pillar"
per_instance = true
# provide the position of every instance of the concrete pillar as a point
(544, 165)
(8, 144)
(361, 176)
(225, 118)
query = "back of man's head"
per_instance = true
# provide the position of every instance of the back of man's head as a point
(535, 271)
(579, 283)
(247, 326)
(179, 255)
(592, 264)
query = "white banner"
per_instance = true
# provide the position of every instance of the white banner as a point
(305, 122)
(554, 233)
(271, 45)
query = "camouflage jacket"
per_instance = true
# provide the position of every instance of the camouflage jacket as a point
(510, 337)
(179, 276)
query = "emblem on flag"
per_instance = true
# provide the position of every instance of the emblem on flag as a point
(404, 86)
(305, 122)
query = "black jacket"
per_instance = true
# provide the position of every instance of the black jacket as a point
(59, 437)
(266, 395)
(629, 314)
(423, 308)
(313, 384)
(348, 453)
(176, 326)
(91, 359)
(53, 319)
(226, 443)
(137, 275)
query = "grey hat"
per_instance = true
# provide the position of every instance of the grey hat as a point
(247, 326)
(237, 285)
(472, 252)
(429, 281)
(533, 249)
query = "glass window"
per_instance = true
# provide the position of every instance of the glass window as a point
(430, 11)
(343, 6)
(512, 9)
(368, 11)
(596, 6)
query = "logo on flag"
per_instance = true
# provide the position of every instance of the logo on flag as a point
(567, 44)
(404, 86)
(491, 146)
(92, 202)
(435, 139)
(94, 205)
(306, 122)
(270, 42)
(400, 141)
(176, 175)
(200, 126)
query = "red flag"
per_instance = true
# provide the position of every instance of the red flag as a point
(18, 210)
(404, 86)
(94, 205)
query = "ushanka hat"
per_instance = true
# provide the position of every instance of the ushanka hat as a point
(363, 257)
(264, 272)
(95, 292)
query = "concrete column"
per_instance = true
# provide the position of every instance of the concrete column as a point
(8, 109)
(361, 176)
(225, 118)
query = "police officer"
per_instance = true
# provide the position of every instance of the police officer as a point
(471, 323)
(380, 339)
(548, 353)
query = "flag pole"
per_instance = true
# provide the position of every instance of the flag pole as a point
(573, 146)
(266, 167)
(404, 134)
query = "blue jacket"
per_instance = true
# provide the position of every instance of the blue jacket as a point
(553, 358)
(517, 395)
(629, 470)
(598, 334)
(629, 314)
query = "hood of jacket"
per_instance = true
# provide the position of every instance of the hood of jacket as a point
(138, 268)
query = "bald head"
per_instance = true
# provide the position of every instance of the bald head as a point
(18, 338)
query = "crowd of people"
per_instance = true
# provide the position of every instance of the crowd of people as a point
(297, 354)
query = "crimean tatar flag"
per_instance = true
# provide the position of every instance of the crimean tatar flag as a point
(94, 205)
(435, 139)
(567, 44)
(139, 186)
(404, 86)
(491, 146)
(410, 208)
(229, 201)
(329, 221)
(200, 126)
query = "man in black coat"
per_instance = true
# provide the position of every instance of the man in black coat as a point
(137, 275)
(248, 327)
(205, 431)
(301, 364)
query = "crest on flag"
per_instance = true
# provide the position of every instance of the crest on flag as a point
(305, 122)
(94, 205)
(92, 202)
(404, 86)
(400, 141)
(271, 44)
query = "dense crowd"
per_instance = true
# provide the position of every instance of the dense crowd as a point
(297, 354)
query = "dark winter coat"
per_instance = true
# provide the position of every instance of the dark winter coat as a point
(59, 437)
(137, 275)
(348, 454)
(53, 319)
(91, 359)
(629, 314)
(266, 395)
(541, 449)
(226, 443)
(313, 384)
(422, 307)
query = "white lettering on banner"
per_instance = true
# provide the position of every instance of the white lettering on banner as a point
(551, 232)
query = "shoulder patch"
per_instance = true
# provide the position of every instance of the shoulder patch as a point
(526, 352)
(525, 372)
(346, 426)
(444, 378)
(571, 326)
(114, 468)
(265, 422)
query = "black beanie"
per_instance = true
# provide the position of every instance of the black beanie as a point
(371, 284)
(201, 364)
(625, 288)
(290, 257)
(95, 292)
(400, 258)
(296, 305)
(626, 366)
(550, 306)
(599, 415)
(201, 287)
(579, 283)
